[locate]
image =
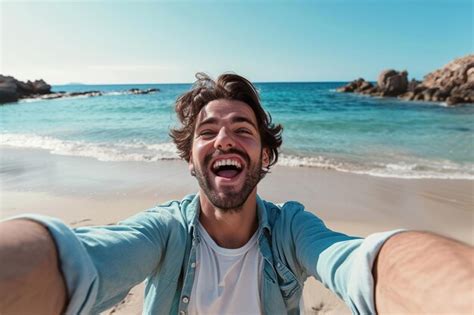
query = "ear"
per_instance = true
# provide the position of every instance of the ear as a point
(191, 164)
(265, 158)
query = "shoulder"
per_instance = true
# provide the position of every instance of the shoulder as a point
(289, 210)
(170, 214)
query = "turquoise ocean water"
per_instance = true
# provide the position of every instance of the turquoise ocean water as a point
(322, 128)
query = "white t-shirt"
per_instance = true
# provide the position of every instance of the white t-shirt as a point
(226, 281)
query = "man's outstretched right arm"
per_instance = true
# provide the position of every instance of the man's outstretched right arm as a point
(97, 265)
(31, 281)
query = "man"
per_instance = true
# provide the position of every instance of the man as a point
(225, 250)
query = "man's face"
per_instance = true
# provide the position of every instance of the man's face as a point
(227, 155)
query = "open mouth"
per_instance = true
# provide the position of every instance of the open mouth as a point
(227, 168)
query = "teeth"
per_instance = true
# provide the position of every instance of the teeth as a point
(227, 162)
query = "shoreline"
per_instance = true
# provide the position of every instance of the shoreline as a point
(403, 166)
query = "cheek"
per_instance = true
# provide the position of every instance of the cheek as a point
(200, 146)
(251, 145)
(199, 150)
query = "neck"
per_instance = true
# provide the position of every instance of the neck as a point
(230, 229)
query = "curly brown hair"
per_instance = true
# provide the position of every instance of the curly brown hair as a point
(231, 87)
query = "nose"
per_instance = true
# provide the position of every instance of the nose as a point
(224, 140)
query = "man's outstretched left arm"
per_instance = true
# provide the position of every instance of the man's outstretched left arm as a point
(420, 272)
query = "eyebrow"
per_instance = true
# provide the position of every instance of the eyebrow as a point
(235, 119)
(239, 119)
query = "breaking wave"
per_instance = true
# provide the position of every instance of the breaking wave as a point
(146, 152)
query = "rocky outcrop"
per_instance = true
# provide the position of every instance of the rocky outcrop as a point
(12, 90)
(71, 94)
(140, 92)
(453, 84)
(8, 90)
(392, 83)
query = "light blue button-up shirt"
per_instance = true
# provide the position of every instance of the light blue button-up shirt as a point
(101, 264)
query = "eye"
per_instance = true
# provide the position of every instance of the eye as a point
(243, 131)
(207, 133)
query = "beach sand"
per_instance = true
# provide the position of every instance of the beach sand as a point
(83, 191)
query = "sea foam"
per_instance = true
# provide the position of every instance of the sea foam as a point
(99, 151)
(146, 152)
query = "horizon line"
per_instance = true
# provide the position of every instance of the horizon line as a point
(253, 82)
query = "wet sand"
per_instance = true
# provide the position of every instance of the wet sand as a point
(83, 191)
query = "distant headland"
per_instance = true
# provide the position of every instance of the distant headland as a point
(453, 84)
(12, 90)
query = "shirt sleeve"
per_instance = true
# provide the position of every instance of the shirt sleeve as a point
(341, 262)
(101, 264)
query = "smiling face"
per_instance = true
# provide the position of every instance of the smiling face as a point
(227, 155)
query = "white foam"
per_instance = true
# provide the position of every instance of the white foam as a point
(146, 152)
(99, 151)
(30, 100)
(428, 169)
(39, 99)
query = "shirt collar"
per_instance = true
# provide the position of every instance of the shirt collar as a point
(262, 215)
(193, 209)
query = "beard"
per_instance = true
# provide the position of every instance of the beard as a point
(230, 200)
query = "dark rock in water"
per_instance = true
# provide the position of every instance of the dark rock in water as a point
(147, 91)
(8, 90)
(358, 86)
(453, 100)
(41, 87)
(428, 94)
(53, 96)
(365, 86)
(454, 83)
(412, 85)
(86, 93)
(407, 96)
(11, 90)
(436, 96)
(419, 89)
(70, 94)
(372, 91)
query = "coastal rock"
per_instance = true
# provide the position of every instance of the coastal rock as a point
(71, 94)
(141, 92)
(412, 85)
(393, 83)
(383, 76)
(453, 84)
(358, 86)
(453, 100)
(8, 90)
(457, 72)
(86, 93)
(407, 96)
(41, 87)
(11, 90)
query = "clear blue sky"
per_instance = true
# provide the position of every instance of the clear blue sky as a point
(165, 41)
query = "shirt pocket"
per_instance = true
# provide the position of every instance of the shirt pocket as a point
(290, 288)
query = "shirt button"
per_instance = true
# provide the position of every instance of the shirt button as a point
(182, 313)
(278, 265)
(193, 265)
(185, 300)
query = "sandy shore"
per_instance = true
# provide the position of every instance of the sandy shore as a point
(84, 191)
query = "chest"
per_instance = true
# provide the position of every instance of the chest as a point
(169, 290)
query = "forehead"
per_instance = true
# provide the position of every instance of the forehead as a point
(223, 109)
